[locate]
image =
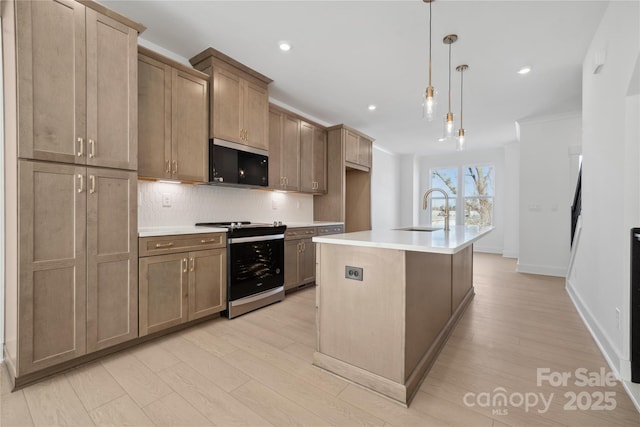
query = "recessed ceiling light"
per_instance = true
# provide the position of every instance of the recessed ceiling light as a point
(524, 70)
(284, 46)
(372, 107)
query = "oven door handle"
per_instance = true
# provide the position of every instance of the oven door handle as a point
(256, 238)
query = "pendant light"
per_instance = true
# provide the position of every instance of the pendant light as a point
(448, 119)
(460, 138)
(430, 98)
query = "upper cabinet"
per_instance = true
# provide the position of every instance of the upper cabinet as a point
(357, 149)
(313, 158)
(173, 116)
(297, 153)
(239, 100)
(76, 84)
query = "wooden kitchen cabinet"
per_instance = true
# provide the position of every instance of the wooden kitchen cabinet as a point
(284, 151)
(300, 257)
(357, 150)
(179, 286)
(172, 124)
(239, 100)
(77, 262)
(76, 78)
(348, 195)
(70, 120)
(313, 158)
(297, 153)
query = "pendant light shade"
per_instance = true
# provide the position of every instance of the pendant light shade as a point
(460, 138)
(430, 97)
(448, 118)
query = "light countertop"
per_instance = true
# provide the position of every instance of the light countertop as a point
(437, 241)
(178, 229)
(311, 224)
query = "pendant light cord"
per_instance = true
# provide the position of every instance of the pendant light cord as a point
(461, 85)
(430, 15)
(449, 77)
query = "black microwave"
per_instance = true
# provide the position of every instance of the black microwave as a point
(237, 167)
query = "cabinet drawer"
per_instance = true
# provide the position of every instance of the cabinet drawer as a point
(330, 229)
(299, 233)
(180, 243)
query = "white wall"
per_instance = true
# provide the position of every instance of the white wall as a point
(203, 203)
(545, 196)
(511, 200)
(494, 241)
(599, 280)
(1, 209)
(385, 189)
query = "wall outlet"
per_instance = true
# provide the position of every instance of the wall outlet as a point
(353, 273)
(166, 200)
(617, 318)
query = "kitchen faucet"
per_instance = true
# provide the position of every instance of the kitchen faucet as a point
(446, 204)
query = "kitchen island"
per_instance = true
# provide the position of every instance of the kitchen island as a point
(387, 301)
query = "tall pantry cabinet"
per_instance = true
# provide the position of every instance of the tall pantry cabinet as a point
(70, 88)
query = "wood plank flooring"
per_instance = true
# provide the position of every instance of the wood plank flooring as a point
(256, 370)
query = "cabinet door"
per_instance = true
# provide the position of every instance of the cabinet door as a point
(255, 115)
(51, 80)
(112, 93)
(351, 146)
(364, 152)
(154, 118)
(320, 160)
(226, 105)
(308, 261)
(163, 289)
(276, 119)
(190, 144)
(291, 264)
(291, 153)
(112, 258)
(52, 263)
(306, 157)
(207, 282)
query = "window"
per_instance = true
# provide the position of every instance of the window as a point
(473, 205)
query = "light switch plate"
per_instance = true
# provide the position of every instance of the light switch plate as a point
(166, 200)
(353, 273)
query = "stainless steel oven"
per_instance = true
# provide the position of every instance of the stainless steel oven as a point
(255, 273)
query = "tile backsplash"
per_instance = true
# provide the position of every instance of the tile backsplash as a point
(203, 203)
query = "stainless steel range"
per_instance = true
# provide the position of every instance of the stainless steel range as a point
(255, 270)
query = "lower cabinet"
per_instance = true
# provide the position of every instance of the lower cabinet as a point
(300, 254)
(182, 286)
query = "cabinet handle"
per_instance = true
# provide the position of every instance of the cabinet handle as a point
(81, 148)
(81, 178)
(184, 265)
(193, 264)
(209, 240)
(168, 167)
(164, 245)
(175, 167)
(92, 180)
(299, 247)
(92, 148)
(304, 246)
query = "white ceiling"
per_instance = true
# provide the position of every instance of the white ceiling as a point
(349, 54)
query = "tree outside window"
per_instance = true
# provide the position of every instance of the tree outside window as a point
(476, 197)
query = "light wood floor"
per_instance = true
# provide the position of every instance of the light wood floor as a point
(256, 370)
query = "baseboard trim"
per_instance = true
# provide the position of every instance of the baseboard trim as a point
(508, 254)
(542, 270)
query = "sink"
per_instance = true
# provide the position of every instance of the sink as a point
(418, 228)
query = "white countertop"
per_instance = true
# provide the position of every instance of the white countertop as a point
(437, 241)
(178, 229)
(311, 224)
